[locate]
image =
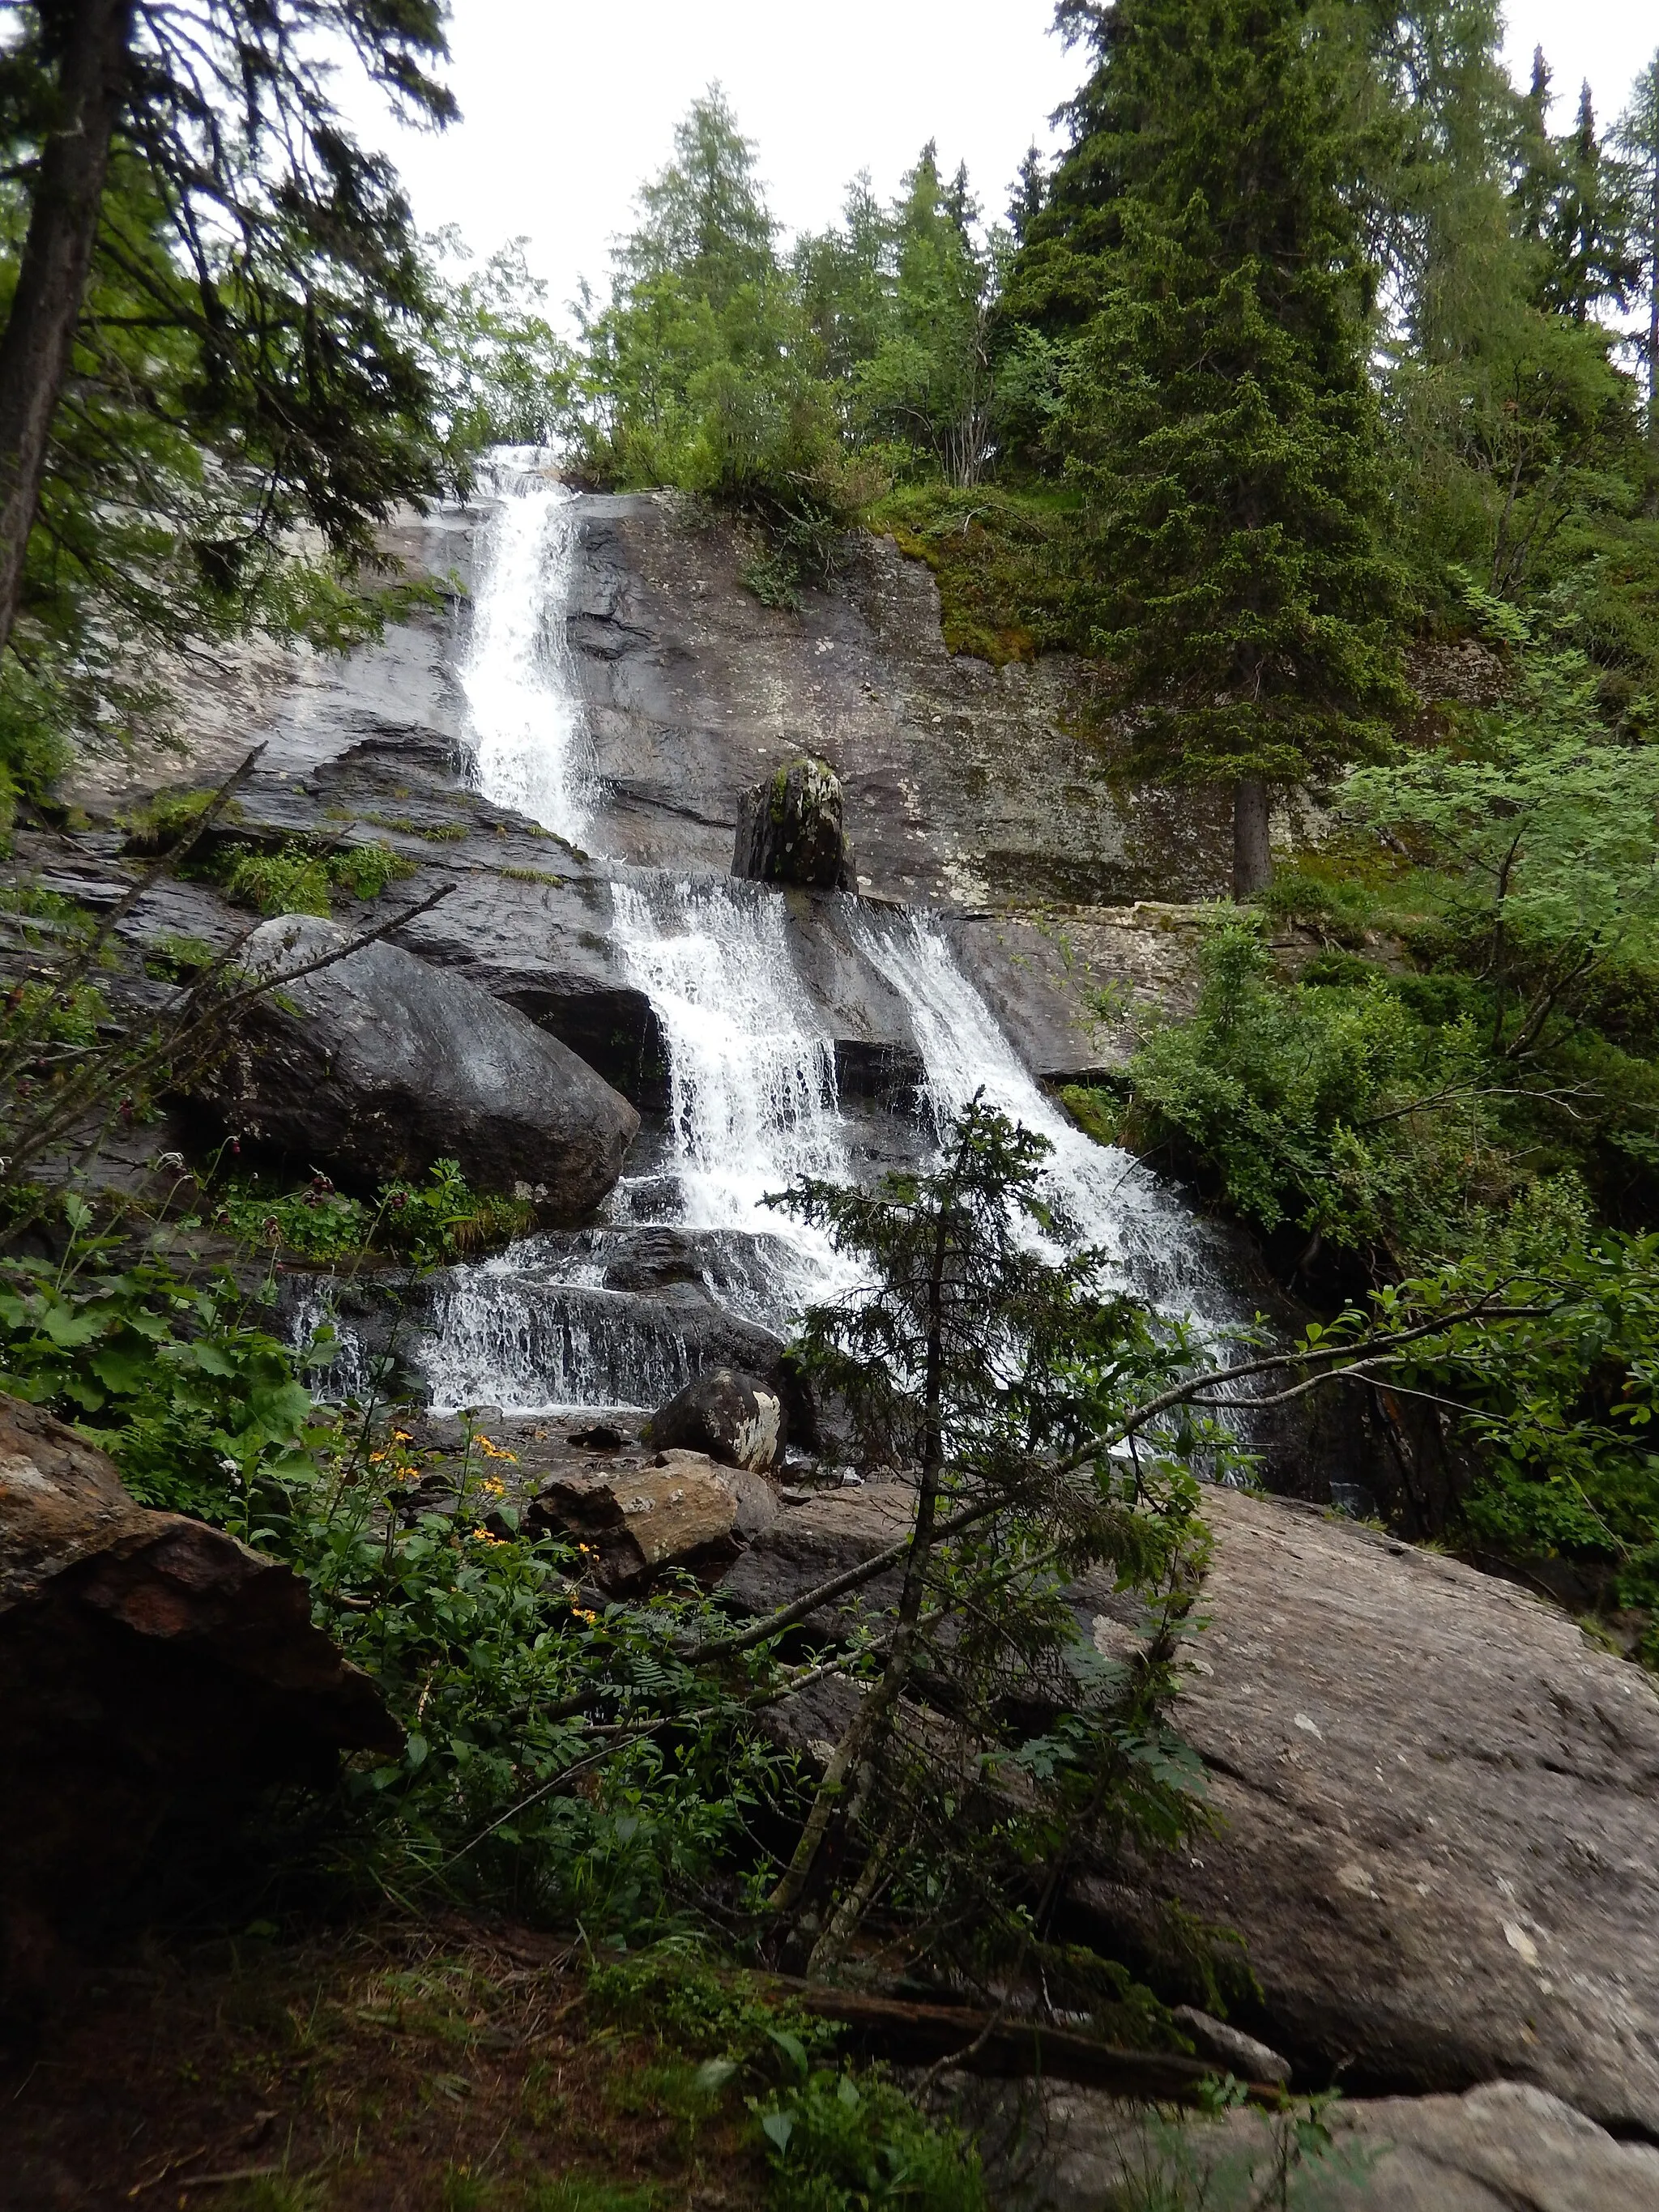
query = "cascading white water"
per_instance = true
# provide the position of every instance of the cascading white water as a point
(753, 1102)
(529, 734)
(1152, 1243)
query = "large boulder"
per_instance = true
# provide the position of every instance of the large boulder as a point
(1437, 1829)
(1435, 1803)
(789, 829)
(733, 1417)
(377, 1064)
(151, 1668)
(1503, 2147)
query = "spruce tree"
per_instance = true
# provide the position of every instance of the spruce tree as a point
(1638, 141)
(1201, 240)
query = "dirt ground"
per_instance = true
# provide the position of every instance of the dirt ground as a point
(443, 2067)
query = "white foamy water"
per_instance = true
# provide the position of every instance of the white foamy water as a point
(751, 1066)
(751, 1075)
(529, 733)
(1153, 1244)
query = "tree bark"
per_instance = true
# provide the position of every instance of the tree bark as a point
(1253, 866)
(51, 281)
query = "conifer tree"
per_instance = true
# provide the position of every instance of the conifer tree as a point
(193, 155)
(1218, 419)
(1638, 141)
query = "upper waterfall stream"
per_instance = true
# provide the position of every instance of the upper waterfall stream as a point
(619, 1315)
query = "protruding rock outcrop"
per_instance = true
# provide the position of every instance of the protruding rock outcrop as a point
(790, 829)
(377, 1064)
(149, 1666)
(734, 1418)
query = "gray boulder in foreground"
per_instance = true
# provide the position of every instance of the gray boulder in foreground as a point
(379, 1065)
(1438, 1804)
(1503, 2147)
(1439, 1819)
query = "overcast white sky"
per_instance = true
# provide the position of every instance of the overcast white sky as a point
(567, 108)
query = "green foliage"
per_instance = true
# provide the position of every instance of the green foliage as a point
(976, 1355)
(507, 378)
(184, 1382)
(431, 1223)
(671, 1990)
(999, 558)
(165, 820)
(1328, 1106)
(839, 2144)
(1560, 1398)
(1548, 825)
(246, 366)
(1215, 411)
(299, 878)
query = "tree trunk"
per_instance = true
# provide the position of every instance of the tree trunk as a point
(1253, 866)
(51, 280)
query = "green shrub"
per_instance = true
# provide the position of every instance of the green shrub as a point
(1326, 1106)
(842, 2143)
(297, 879)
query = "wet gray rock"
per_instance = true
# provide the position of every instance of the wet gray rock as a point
(963, 784)
(731, 1416)
(789, 829)
(820, 1537)
(379, 1065)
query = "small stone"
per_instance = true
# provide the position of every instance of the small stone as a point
(1241, 2054)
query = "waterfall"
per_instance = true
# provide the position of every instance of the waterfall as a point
(1152, 1243)
(529, 735)
(558, 1323)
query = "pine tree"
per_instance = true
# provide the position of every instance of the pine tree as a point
(1586, 256)
(1638, 141)
(1218, 420)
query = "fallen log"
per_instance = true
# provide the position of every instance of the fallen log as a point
(1006, 2046)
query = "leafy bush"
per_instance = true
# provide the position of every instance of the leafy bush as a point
(432, 1222)
(180, 1382)
(1329, 1107)
(1561, 1402)
(838, 2143)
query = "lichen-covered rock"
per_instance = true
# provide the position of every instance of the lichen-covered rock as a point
(733, 1417)
(789, 828)
(1435, 1803)
(1505, 2146)
(377, 1064)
